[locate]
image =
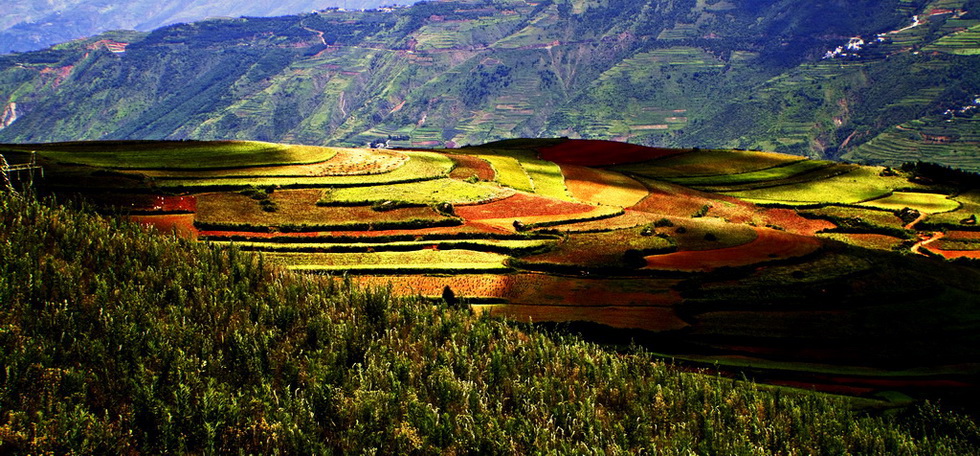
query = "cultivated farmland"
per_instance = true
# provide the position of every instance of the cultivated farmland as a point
(708, 254)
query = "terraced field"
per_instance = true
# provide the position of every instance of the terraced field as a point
(710, 251)
(953, 141)
(966, 42)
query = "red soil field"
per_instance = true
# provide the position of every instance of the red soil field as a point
(254, 235)
(789, 220)
(963, 235)
(180, 224)
(679, 201)
(468, 166)
(538, 288)
(769, 245)
(588, 152)
(258, 235)
(954, 254)
(145, 203)
(598, 186)
(521, 204)
(653, 319)
(629, 219)
(469, 285)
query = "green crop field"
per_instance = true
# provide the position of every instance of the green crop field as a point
(509, 172)
(936, 139)
(858, 185)
(182, 155)
(504, 246)
(424, 192)
(769, 174)
(420, 166)
(346, 162)
(969, 207)
(814, 175)
(401, 262)
(966, 42)
(929, 203)
(849, 218)
(708, 163)
(547, 178)
(605, 250)
(297, 209)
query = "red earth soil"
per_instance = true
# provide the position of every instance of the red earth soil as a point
(588, 152)
(180, 224)
(954, 254)
(539, 289)
(467, 166)
(146, 203)
(679, 201)
(447, 230)
(629, 219)
(769, 245)
(521, 205)
(963, 235)
(789, 220)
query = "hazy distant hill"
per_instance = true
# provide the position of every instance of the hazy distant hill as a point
(34, 24)
(676, 72)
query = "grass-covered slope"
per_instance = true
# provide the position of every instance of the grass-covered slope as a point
(118, 341)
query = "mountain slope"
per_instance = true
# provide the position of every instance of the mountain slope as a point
(677, 73)
(35, 24)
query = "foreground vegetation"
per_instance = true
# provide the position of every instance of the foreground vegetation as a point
(117, 341)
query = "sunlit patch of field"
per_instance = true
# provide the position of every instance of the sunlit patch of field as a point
(929, 203)
(708, 162)
(346, 162)
(182, 154)
(419, 261)
(420, 166)
(764, 175)
(596, 186)
(867, 240)
(968, 214)
(858, 185)
(424, 192)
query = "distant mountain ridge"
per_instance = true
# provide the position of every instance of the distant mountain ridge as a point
(36, 24)
(680, 73)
